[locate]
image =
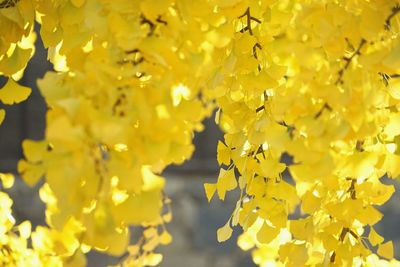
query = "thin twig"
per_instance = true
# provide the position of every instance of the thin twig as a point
(388, 21)
(348, 61)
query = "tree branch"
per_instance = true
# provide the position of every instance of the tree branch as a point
(388, 21)
(348, 61)
(249, 18)
(8, 3)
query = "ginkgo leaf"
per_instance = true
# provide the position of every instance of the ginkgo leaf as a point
(152, 259)
(165, 238)
(374, 237)
(392, 165)
(302, 229)
(369, 215)
(34, 150)
(210, 190)
(386, 250)
(359, 165)
(224, 233)
(7, 179)
(12, 92)
(345, 211)
(271, 167)
(226, 182)
(267, 233)
(31, 173)
(16, 62)
(310, 203)
(25, 229)
(223, 154)
(295, 253)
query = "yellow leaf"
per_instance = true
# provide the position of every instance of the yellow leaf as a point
(271, 167)
(165, 238)
(12, 92)
(167, 217)
(296, 254)
(152, 259)
(386, 250)
(147, 207)
(16, 62)
(369, 215)
(25, 229)
(374, 237)
(224, 233)
(329, 240)
(345, 211)
(7, 180)
(226, 182)
(31, 173)
(210, 190)
(302, 228)
(34, 150)
(223, 154)
(392, 165)
(310, 203)
(359, 165)
(267, 233)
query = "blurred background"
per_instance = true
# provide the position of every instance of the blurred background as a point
(195, 221)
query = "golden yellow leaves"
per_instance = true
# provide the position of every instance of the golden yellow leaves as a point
(267, 233)
(224, 233)
(16, 238)
(34, 150)
(374, 237)
(339, 128)
(210, 190)
(7, 180)
(226, 182)
(10, 65)
(15, 53)
(12, 92)
(296, 78)
(386, 250)
(294, 254)
(302, 229)
(32, 169)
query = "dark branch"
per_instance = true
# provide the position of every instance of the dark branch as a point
(319, 113)
(8, 3)
(290, 128)
(352, 189)
(345, 230)
(257, 45)
(260, 108)
(249, 18)
(348, 61)
(388, 21)
(359, 146)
